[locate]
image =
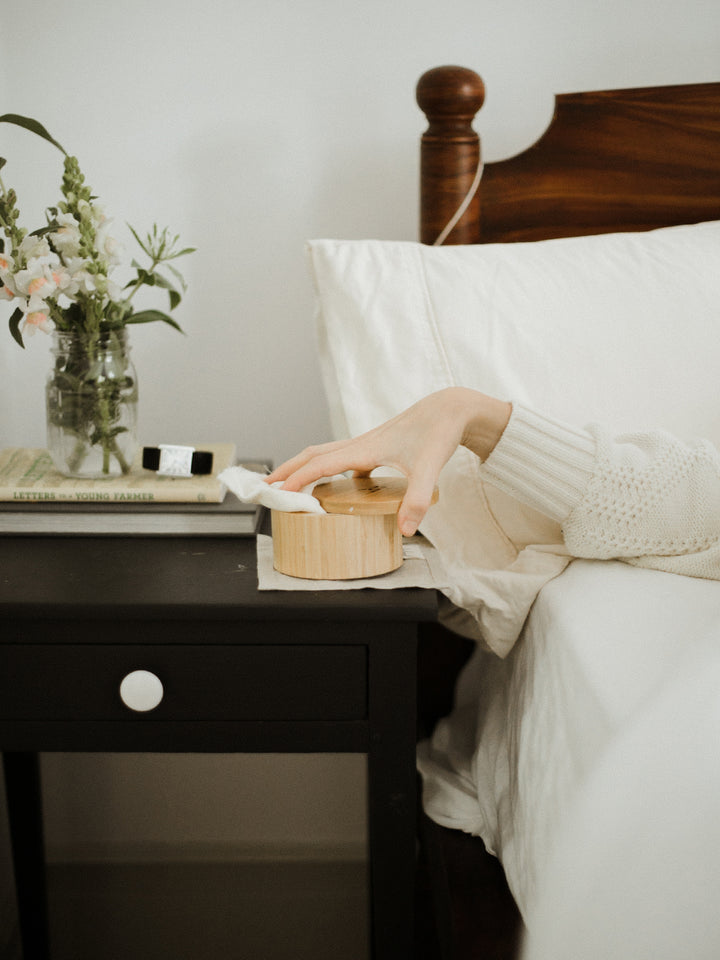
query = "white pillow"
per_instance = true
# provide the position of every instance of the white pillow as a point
(622, 329)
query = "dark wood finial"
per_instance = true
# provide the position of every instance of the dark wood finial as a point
(450, 95)
(450, 152)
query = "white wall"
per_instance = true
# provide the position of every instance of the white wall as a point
(248, 127)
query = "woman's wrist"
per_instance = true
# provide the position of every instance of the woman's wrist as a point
(485, 420)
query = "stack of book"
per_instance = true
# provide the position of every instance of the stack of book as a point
(37, 500)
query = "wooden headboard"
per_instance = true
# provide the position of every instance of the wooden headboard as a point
(611, 160)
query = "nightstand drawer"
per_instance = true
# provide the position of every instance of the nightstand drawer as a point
(185, 682)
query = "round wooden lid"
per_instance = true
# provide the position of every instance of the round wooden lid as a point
(363, 496)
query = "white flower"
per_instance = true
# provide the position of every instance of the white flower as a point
(73, 278)
(90, 212)
(36, 280)
(36, 320)
(108, 247)
(37, 248)
(98, 213)
(6, 266)
(73, 264)
(7, 288)
(66, 239)
(64, 281)
(83, 282)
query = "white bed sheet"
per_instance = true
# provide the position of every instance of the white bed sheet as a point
(600, 643)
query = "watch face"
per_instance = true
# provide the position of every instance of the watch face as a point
(175, 461)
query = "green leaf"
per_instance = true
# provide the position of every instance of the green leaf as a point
(135, 234)
(41, 231)
(3, 161)
(15, 327)
(33, 126)
(144, 278)
(180, 253)
(150, 316)
(175, 297)
(176, 273)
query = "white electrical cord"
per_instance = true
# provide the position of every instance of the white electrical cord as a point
(442, 237)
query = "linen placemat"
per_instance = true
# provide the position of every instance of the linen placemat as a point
(422, 567)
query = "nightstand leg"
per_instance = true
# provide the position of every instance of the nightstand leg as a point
(392, 786)
(24, 802)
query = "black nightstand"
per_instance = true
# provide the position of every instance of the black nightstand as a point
(241, 671)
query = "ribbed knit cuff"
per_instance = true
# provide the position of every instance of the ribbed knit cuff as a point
(542, 462)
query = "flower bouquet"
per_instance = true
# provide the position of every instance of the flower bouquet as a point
(58, 278)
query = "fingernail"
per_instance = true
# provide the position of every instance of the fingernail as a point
(407, 528)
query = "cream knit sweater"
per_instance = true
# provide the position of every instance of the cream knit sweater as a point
(646, 498)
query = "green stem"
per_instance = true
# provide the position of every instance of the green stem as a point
(77, 456)
(9, 228)
(139, 284)
(94, 384)
(118, 454)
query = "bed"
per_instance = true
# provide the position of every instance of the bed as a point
(581, 277)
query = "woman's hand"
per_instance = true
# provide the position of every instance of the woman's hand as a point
(417, 442)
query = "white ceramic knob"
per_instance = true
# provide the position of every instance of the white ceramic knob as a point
(141, 691)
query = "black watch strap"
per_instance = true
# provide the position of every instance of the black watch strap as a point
(171, 460)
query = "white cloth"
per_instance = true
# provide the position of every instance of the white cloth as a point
(635, 870)
(250, 487)
(601, 642)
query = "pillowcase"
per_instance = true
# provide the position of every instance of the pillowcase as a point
(622, 329)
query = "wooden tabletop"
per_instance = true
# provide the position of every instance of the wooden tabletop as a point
(161, 577)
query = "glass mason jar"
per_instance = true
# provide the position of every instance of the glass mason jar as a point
(91, 401)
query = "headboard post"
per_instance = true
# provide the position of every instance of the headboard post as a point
(450, 152)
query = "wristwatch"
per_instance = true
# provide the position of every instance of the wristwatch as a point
(171, 460)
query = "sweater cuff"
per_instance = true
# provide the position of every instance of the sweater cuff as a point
(542, 462)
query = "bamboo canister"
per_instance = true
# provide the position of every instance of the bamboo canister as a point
(357, 537)
(335, 547)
